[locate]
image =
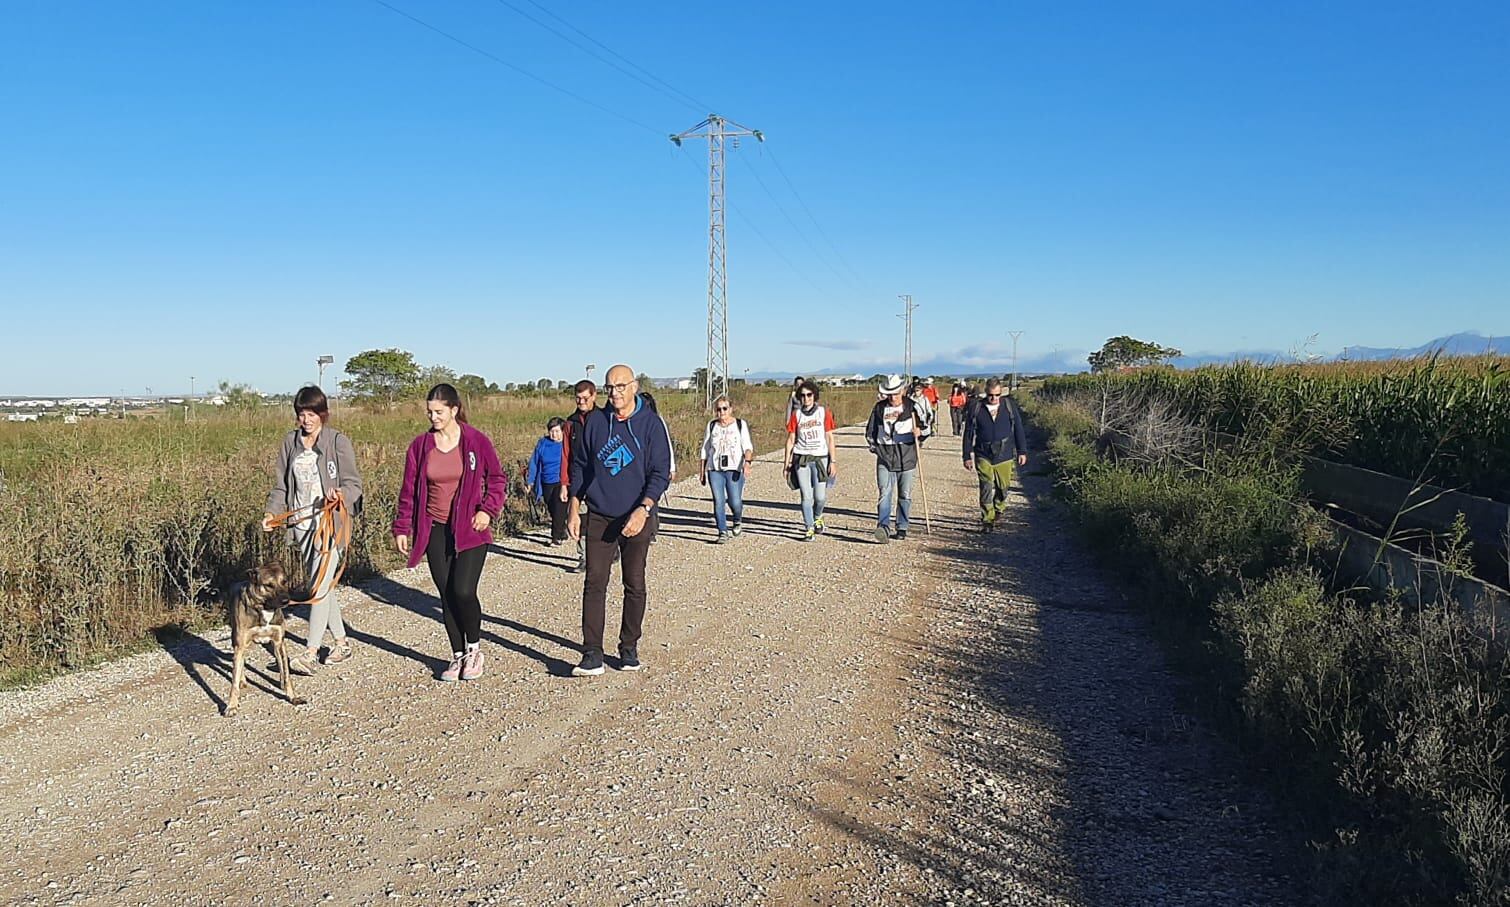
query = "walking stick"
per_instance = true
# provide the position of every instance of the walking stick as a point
(923, 486)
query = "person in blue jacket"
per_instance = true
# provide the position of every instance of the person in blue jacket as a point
(544, 478)
(994, 442)
(620, 465)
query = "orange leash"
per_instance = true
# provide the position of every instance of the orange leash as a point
(332, 532)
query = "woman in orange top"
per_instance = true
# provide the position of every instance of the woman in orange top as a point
(957, 400)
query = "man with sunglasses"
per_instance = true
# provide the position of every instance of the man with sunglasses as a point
(620, 465)
(892, 434)
(994, 443)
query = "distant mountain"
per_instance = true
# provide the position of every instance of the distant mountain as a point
(1465, 343)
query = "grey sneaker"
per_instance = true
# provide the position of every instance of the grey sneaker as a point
(736, 529)
(901, 535)
(882, 535)
(629, 659)
(722, 537)
(591, 665)
(818, 525)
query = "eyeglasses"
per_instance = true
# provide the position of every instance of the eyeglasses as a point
(611, 388)
(722, 409)
(805, 395)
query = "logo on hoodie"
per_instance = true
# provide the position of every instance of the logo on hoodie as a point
(615, 455)
(331, 468)
(472, 460)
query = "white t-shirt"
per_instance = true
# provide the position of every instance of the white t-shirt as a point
(730, 441)
(307, 487)
(811, 431)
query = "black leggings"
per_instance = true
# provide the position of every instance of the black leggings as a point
(557, 509)
(456, 574)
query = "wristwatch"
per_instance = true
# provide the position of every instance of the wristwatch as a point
(646, 508)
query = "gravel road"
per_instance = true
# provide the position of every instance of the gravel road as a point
(955, 718)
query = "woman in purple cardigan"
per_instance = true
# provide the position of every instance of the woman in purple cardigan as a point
(454, 488)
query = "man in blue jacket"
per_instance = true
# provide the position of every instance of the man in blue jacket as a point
(994, 442)
(620, 465)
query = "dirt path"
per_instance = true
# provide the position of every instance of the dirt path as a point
(956, 718)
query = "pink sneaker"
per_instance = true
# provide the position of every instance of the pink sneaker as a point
(453, 670)
(471, 668)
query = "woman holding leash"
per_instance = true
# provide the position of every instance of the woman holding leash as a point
(316, 463)
(453, 491)
(727, 453)
(809, 453)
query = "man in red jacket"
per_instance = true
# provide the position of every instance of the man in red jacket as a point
(587, 401)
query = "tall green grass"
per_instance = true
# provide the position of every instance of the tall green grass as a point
(113, 530)
(1442, 421)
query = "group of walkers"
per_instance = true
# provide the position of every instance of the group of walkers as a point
(601, 472)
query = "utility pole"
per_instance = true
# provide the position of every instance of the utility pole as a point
(590, 367)
(191, 398)
(321, 363)
(716, 130)
(1015, 335)
(907, 348)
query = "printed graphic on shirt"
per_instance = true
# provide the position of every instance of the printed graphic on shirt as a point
(810, 429)
(331, 468)
(615, 455)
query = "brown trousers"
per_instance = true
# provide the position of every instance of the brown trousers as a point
(603, 539)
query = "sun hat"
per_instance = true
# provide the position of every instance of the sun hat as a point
(892, 385)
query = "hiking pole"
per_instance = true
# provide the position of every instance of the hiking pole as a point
(923, 487)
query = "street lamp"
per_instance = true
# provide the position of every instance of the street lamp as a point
(590, 367)
(322, 362)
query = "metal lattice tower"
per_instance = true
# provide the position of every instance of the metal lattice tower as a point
(907, 347)
(716, 130)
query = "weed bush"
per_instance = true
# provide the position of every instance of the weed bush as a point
(1390, 723)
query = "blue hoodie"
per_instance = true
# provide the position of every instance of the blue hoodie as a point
(618, 463)
(545, 465)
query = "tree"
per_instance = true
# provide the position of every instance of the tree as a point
(381, 374)
(432, 375)
(544, 384)
(646, 382)
(239, 396)
(474, 386)
(700, 379)
(1127, 352)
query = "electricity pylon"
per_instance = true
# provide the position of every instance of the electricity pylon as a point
(716, 130)
(907, 348)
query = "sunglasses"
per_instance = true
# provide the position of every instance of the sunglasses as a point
(806, 396)
(993, 396)
(723, 409)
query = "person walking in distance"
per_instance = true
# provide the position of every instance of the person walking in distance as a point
(620, 465)
(315, 463)
(809, 453)
(453, 491)
(727, 454)
(892, 435)
(994, 442)
(587, 402)
(544, 478)
(792, 402)
(957, 401)
(932, 393)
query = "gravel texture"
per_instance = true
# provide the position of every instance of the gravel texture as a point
(956, 718)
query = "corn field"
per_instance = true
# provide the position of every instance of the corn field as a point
(113, 531)
(1435, 420)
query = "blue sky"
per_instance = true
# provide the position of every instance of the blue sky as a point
(228, 190)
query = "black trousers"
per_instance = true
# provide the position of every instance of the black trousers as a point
(603, 539)
(557, 509)
(456, 574)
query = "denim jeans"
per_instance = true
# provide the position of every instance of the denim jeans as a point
(728, 486)
(814, 493)
(900, 482)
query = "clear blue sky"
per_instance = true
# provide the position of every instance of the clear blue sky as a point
(228, 190)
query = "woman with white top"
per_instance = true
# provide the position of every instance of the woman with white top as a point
(809, 454)
(727, 454)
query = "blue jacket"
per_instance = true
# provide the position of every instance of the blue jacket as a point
(545, 465)
(994, 440)
(616, 464)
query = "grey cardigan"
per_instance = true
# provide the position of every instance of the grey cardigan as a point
(338, 470)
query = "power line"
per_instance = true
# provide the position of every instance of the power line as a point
(648, 74)
(821, 232)
(811, 246)
(672, 94)
(518, 69)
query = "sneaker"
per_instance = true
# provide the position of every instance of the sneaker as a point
(629, 659)
(882, 535)
(579, 566)
(901, 535)
(818, 524)
(471, 668)
(338, 653)
(591, 666)
(303, 664)
(807, 536)
(736, 529)
(986, 526)
(453, 670)
(722, 537)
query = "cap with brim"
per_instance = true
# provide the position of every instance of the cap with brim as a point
(892, 385)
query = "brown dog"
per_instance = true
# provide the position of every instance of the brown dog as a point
(256, 617)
